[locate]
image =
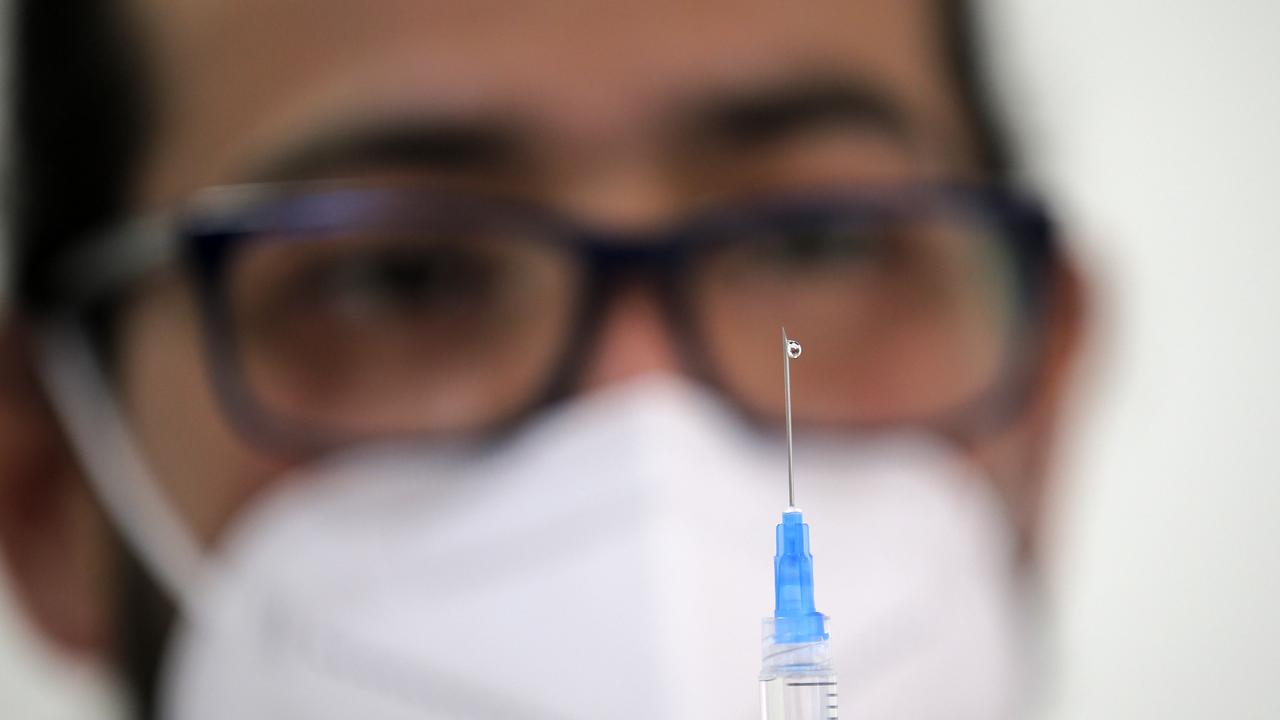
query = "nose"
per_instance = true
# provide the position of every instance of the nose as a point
(626, 194)
(633, 341)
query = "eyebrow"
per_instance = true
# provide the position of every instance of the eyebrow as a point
(746, 118)
(457, 145)
(732, 120)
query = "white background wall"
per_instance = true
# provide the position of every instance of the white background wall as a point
(1155, 125)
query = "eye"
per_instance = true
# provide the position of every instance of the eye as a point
(822, 243)
(400, 280)
(817, 247)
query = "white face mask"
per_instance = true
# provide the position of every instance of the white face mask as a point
(611, 560)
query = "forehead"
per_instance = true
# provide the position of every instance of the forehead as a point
(237, 77)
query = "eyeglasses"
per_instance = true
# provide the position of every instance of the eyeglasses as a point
(340, 312)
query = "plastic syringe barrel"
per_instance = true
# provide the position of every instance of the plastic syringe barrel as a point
(797, 680)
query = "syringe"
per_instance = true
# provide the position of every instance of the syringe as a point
(797, 680)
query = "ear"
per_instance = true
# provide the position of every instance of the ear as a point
(1022, 457)
(53, 539)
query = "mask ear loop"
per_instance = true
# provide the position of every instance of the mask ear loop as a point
(113, 467)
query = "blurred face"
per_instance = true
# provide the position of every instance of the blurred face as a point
(622, 116)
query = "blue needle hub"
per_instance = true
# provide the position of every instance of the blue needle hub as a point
(795, 619)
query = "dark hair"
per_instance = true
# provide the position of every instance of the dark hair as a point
(961, 46)
(81, 112)
(79, 122)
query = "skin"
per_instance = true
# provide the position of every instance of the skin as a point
(606, 99)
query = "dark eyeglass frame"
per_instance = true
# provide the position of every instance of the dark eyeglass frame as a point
(204, 236)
